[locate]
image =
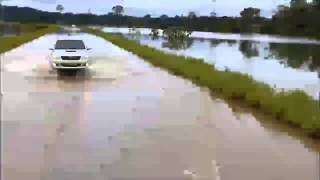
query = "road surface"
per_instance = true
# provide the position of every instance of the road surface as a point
(126, 120)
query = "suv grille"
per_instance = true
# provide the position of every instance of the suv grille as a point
(71, 65)
(70, 57)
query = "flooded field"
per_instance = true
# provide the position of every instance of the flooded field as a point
(124, 119)
(288, 63)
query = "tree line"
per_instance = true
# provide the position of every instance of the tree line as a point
(116, 18)
(300, 18)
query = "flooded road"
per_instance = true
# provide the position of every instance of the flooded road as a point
(124, 119)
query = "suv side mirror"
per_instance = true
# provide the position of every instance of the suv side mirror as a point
(89, 49)
(51, 49)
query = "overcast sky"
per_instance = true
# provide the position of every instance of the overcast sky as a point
(154, 7)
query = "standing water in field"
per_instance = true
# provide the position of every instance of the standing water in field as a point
(282, 62)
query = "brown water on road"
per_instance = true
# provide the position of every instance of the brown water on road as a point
(124, 119)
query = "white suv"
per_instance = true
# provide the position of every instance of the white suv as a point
(69, 54)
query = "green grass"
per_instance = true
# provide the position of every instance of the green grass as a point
(294, 107)
(22, 27)
(31, 32)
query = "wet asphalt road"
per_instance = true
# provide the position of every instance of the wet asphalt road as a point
(123, 119)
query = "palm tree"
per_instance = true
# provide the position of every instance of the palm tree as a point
(59, 8)
(118, 10)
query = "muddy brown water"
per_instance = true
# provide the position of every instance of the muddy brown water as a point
(124, 119)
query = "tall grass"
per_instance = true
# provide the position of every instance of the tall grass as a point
(32, 32)
(295, 107)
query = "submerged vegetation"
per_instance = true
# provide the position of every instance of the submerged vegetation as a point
(295, 107)
(31, 31)
(176, 33)
(134, 31)
(154, 33)
(176, 37)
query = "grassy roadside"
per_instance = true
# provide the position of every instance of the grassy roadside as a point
(295, 108)
(7, 43)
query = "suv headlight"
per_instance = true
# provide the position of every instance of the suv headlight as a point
(56, 57)
(85, 57)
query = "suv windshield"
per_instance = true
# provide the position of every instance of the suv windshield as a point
(69, 44)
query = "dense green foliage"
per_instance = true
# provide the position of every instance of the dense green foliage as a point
(8, 43)
(300, 19)
(293, 107)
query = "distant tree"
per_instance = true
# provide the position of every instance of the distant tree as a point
(192, 15)
(282, 11)
(148, 16)
(118, 10)
(60, 8)
(213, 14)
(164, 17)
(147, 19)
(316, 3)
(250, 13)
(282, 8)
(298, 3)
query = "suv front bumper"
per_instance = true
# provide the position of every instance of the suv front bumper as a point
(69, 64)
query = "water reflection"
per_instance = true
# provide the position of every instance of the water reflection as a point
(231, 42)
(215, 42)
(249, 49)
(292, 55)
(298, 55)
(178, 44)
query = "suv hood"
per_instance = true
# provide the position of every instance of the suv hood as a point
(70, 52)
